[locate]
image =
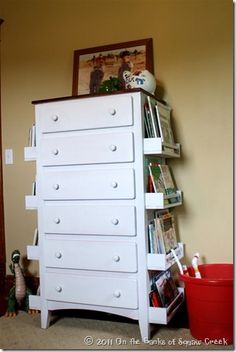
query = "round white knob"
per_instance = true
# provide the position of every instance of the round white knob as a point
(112, 111)
(58, 288)
(117, 294)
(114, 184)
(116, 258)
(55, 118)
(115, 221)
(55, 151)
(56, 186)
(113, 147)
(58, 255)
(57, 221)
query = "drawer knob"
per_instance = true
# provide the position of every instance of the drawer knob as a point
(117, 294)
(113, 147)
(58, 255)
(56, 186)
(116, 258)
(112, 111)
(55, 152)
(55, 118)
(114, 184)
(57, 221)
(115, 221)
(58, 288)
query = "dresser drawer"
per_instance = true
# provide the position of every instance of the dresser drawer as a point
(89, 220)
(81, 114)
(91, 255)
(95, 290)
(87, 149)
(88, 184)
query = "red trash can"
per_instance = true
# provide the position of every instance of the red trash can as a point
(210, 303)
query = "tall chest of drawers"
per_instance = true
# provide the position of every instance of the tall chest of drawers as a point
(92, 207)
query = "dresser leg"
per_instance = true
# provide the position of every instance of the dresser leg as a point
(45, 318)
(144, 330)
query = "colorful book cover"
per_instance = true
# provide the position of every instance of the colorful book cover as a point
(168, 181)
(167, 224)
(157, 179)
(166, 288)
(159, 236)
(154, 298)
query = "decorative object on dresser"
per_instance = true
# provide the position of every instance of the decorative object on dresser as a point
(94, 66)
(141, 79)
(93, 208)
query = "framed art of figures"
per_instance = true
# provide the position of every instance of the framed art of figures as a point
(93, 66)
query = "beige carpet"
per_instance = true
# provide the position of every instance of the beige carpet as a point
(83, 333)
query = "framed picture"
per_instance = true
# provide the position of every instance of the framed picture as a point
(93, 66)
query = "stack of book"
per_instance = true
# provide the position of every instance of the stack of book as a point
(151, 124)
(162, 233)
(163, 289)
(157, 121)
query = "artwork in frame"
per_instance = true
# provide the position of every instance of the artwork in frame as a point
(93, 66)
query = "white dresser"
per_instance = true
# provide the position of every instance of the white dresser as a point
(93, 209)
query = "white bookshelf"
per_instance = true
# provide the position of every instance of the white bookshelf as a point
(157, 200)
(31, 202)
(156, 261)
(33, 252)
(30, 153)
(155, 146)
(164, 315)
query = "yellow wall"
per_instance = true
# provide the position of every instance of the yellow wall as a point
(193, 58)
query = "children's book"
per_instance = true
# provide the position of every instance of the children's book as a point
(169, 232)
(166, 287)
(162, 233)
(152, 238)
(166, 231)
(154, 298)
(159, 237)
(157, 179)
(168, 181)
(147, 122)
(163, 117)
(153, 118)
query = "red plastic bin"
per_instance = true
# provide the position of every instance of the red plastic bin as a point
(210, 303)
